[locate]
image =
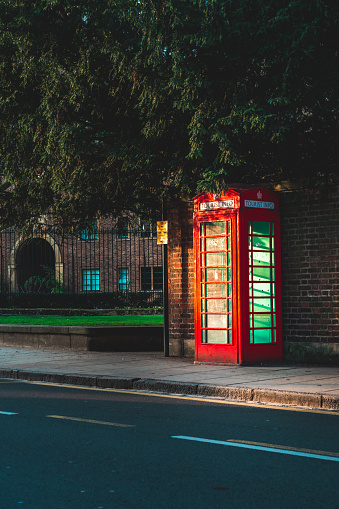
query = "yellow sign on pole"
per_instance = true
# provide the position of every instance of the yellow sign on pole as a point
(162, 232)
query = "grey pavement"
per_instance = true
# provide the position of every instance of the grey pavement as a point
(306, 386)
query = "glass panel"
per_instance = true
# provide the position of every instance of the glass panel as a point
(261, 258)
(229, 320)
(202, 244)
(229, 305)
(262, 336)
(202, 290)
(202, 275)
(262, 320)
(216, 244)
(216, 275)
(261, 244)
(123, 279)
(260, 305)
(217, 321)
(216, 336)
(202, 229)
(261, 228)
(216, 305)
(251, 336)
(261, 273)
(202, 260)
(216, 260)
(261, 289)
(203, 336)
(216, 290)
(203, 324)
(202, 305)
(230, 337)
(217, 228)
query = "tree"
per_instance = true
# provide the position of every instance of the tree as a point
(107, 106)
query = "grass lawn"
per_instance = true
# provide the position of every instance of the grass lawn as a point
(84, 321)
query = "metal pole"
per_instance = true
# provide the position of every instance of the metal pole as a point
(165, 285)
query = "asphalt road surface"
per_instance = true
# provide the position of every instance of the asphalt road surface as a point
(66, 447)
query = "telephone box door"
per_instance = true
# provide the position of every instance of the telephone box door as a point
(215, 247)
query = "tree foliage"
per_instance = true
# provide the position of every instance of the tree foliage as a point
(107, 106)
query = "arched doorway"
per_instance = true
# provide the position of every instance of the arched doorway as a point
(35, 265)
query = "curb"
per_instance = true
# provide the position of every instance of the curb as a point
(139, 384)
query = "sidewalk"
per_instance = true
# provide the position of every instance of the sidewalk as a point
(306, 386)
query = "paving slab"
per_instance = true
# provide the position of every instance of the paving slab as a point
(296, 385)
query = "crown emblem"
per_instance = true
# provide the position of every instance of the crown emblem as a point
(259, 195)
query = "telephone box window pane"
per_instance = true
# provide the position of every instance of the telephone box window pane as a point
(203, 336)
(261, 258)
(216, 305)
(215, 228)
(216, 290)
(261, 273)
(216, 260)
(262, 336)
(261, 244)
(261, 289)
(216, 336)
(261, 228)
(202, 275)
(262, 320)
(215, 275)
(203, 324)
(216, 321)
(262, 305)
(216, 244)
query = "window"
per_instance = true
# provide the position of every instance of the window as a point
(91, 232)
(123, 279)
(90, 280)
(148, 230)
(151, 278)
(122, 228)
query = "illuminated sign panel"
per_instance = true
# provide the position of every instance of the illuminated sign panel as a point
(259, 204)
(226, 204)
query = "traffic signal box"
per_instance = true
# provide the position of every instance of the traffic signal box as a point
(237, 277)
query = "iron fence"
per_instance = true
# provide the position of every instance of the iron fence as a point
(97, 268)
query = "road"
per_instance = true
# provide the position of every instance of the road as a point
(67, 447)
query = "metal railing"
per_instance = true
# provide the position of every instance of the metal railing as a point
(97, 268)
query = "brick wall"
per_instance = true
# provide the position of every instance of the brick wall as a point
(181, 279)
(310, 273)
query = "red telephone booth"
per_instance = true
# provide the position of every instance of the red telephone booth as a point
(238, 276)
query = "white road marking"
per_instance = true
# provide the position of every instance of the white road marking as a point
(262, 448)
(9, 413)
(92, 421)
